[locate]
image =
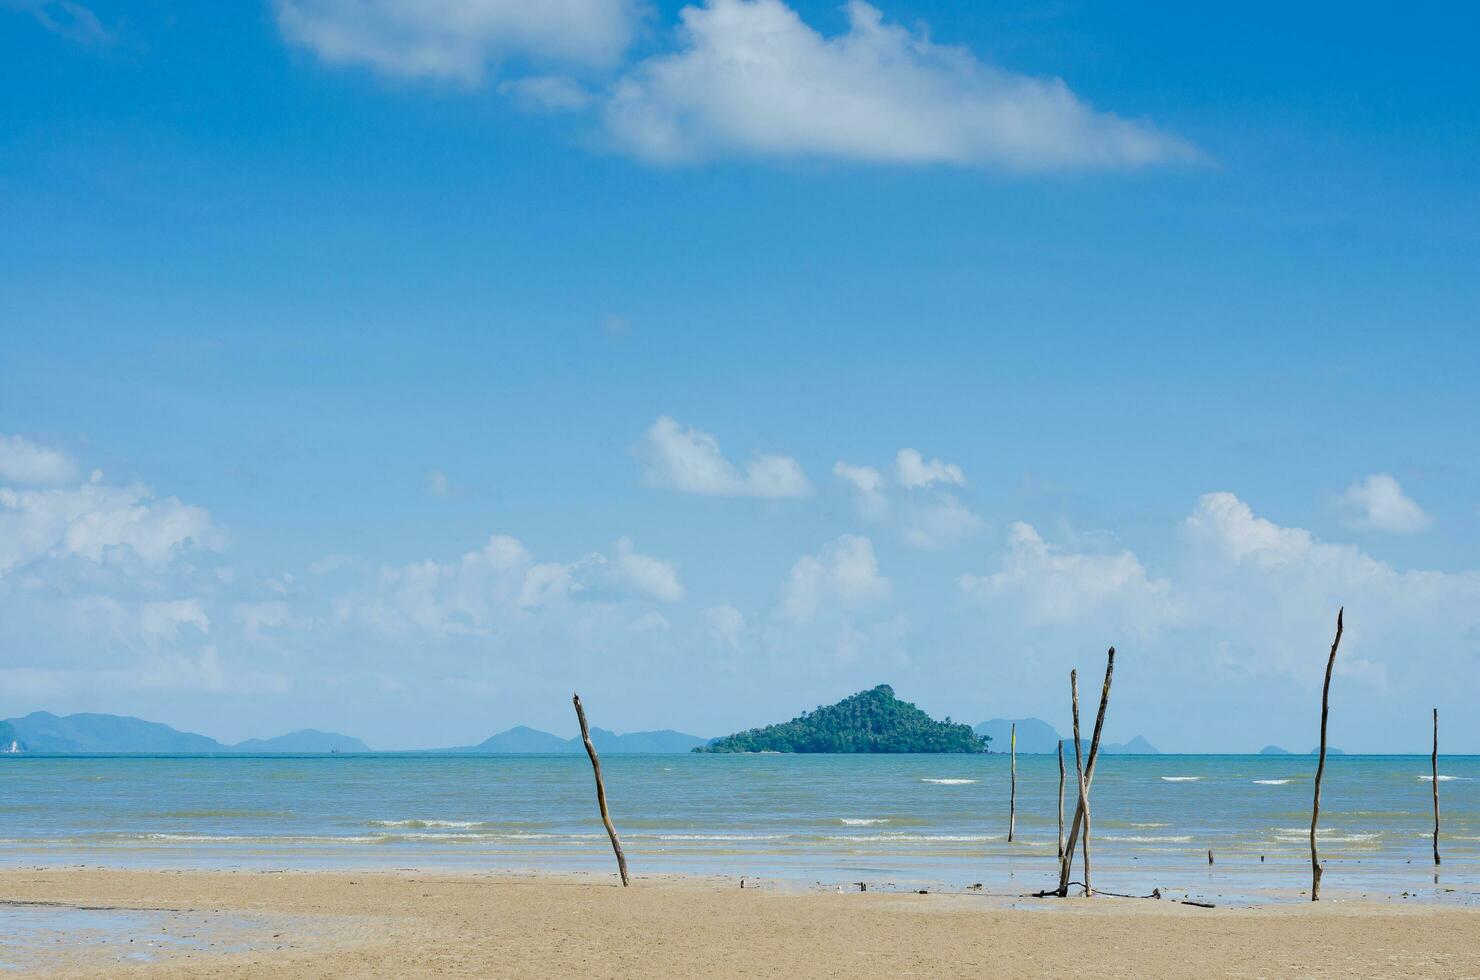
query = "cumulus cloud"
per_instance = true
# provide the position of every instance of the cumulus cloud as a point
(939, 523)
(870, 495)
(1377, 503)
(99, 523)
(683, 458)
(498, 584)
(1052, 585)
(845, 571)
(912, 471)
(455, 40)
(24, 462)
(555, 93)
(751, 78)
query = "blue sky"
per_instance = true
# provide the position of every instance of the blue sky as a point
(399, 368)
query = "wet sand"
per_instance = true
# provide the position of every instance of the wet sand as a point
(386, 924)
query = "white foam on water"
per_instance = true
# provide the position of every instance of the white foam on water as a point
(425, 824)
(1270, 782)
(1180, 779)
(1442, 778)
(919, 838)
(948, 782)
(1152, 839)
(1150, 826)
(721, 837)
(862, 821)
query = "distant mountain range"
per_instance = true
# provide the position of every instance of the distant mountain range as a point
(1036, 736)
(44, 732)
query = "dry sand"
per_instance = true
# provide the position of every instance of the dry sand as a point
(323, 924)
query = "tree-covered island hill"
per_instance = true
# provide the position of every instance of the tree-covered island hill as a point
(869, 721)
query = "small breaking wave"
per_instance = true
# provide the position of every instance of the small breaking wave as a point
(862, 821)
(948, 782)
(426, 824)
(1152, 839)
(1270, 782)
(1442, 778)
(1180, 779)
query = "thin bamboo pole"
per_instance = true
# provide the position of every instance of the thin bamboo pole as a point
(1079, 773)
(601, 790)
(1061, 800)
(1094, 751)
(1012, 792)
(1434, 759)
(1315, 810)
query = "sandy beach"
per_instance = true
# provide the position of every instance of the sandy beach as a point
(185, 924)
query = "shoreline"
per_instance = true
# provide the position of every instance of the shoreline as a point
(385, 923)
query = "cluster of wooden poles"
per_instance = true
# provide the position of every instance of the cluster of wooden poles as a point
(1084, 774)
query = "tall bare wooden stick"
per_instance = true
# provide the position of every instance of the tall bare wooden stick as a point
(1061, 800)
(1435, 761)
(1315, 810)
(1012, 793)
(1079, 773)
(1089, 775)
(600, 789)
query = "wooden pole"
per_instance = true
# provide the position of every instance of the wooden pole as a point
(1061, 800)
(1079, 772)
(600, 790)
(1012, 792)
(1315, 810)
(1089, 776)
(1435, 761)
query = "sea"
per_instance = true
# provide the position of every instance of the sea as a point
(831, 821)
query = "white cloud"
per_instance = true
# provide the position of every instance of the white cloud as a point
(912, 471)
(71, 20)
(845, 570)
(24, 462)
(751, 78)
(499, 584)
(940, 523)
(628, 573)
(1050, 585)
(868, 484)
(555, 93)
(686, 459)
(456, 39)
(99, 523)
(1378, 503)
(726, 624)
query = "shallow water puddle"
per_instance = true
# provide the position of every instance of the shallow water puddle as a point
(42, 936)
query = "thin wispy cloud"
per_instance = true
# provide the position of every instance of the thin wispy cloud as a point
(458, 40)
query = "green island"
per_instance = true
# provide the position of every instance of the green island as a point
(869, 721)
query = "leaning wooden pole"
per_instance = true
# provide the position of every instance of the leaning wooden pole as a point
(1067, 861)
(1061, 800)
(1012, 791)
(1315, 810)
(606, 817)
(1079, 773)
(1434, 760)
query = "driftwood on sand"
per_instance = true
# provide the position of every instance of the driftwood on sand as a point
(1434, 760)
(1012, 792)
(1079, 773)
(600, 789)
(1061, 800)
(1067, 861)
(1315, 810)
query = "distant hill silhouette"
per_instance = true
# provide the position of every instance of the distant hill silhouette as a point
(1034, 735)
(1274, 750)
(44, 732)
(1136, 746)
(522, 740)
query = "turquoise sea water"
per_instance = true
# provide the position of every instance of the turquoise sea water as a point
(833, 819)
